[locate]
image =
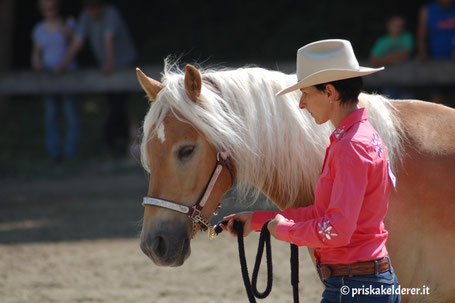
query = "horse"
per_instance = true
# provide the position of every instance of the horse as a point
(277, 149)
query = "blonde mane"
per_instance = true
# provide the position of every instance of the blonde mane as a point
(270, 140)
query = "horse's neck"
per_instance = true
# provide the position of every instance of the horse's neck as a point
(281, 200)
(272, 187)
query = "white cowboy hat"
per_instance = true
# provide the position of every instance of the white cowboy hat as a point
(325, 61)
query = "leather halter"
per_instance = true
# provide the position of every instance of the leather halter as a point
(195, 212)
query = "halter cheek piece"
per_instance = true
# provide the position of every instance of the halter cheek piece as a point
(195, 212)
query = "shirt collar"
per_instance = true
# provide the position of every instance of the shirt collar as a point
(353, 118)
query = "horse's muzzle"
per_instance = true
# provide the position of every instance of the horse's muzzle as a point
(165, 248)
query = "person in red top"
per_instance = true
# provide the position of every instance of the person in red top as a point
(345, 223)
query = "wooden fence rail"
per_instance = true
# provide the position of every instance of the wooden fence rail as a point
(408, 74)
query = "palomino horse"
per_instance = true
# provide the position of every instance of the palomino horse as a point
(278, 149)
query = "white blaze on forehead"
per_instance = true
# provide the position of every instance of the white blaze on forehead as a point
(160, 133)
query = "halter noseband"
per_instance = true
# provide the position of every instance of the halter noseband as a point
(195, 212)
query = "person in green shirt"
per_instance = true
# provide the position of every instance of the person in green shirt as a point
(394, 47)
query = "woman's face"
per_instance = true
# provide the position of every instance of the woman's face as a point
(317, 103)
(49, 9)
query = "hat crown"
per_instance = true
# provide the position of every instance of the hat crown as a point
(333, 54)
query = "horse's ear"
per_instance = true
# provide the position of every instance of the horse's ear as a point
(193, 82)
(151, 86)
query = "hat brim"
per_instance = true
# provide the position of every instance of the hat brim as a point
(329, 75)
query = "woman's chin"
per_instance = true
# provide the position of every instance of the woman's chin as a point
(319, 121)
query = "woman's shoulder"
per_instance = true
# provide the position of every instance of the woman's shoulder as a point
(39, 30)
(364, 134)
(352, 143)
(361, 139)
(40, 26)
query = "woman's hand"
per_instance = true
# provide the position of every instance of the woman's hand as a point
(274, 223)
(244, 218)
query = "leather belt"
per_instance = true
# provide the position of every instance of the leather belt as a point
(326, 271)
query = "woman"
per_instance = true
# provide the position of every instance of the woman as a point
(50, 42)
(345, 224)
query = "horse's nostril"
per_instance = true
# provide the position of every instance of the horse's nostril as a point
(146, 248)
(166, 250)
(160, 246)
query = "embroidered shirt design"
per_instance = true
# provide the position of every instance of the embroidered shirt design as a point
(377, 144)
(325, 229)
(338, 132)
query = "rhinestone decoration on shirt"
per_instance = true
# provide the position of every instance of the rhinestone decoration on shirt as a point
(325, 229)
(377, 144)
(338, 132)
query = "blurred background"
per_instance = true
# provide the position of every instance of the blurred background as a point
(226, 31)
(71, 111)
(232, 33)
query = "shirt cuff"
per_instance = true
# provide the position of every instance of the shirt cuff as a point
(282, 231)
(259, 217)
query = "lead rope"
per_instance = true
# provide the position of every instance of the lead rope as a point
(264, 238)
(295, 271)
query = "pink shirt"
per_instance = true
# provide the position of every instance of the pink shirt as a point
(345, 224)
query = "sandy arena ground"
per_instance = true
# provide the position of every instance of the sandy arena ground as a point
(76, 240)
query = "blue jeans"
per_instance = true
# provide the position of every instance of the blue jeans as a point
(52, 125)
(345, 289)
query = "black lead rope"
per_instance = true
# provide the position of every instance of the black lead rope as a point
(251, 285)
(264, 238)
(295, 272)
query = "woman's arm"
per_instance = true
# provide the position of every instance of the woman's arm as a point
(295, 214)
(67, 28)
(74, 48)
(110, 53)
(336, 227)
(255, 220)
(37, 63)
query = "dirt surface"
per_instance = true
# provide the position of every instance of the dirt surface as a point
(76, 240)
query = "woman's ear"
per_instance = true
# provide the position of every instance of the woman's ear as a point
(332, 92)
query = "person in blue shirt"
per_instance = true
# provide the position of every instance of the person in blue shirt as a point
(113, 48)
(436, 30)
(51, 38)
(436, 37)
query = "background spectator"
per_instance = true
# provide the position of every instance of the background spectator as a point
(394, 47)
(50, 42)
(436, 31)
(112, 45)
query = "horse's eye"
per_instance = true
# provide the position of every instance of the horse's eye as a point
(185, 152)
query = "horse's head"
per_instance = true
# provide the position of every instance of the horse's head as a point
(181, 161)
